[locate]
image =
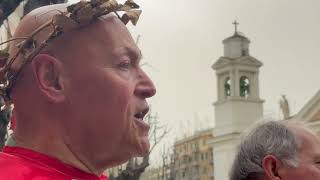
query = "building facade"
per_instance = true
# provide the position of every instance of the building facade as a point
(192, 157)
(153, 173)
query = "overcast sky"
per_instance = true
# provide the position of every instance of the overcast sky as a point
(181, 39)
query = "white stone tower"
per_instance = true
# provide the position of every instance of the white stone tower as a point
(238, 102)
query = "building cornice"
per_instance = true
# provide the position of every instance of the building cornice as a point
(224, 138)
(243, 60)
(238, 99)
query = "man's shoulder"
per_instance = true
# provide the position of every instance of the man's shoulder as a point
(17, 168)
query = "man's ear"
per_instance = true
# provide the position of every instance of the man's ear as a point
(47, 71)
(271, 166)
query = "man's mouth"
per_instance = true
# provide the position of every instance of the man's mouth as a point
(141, 114)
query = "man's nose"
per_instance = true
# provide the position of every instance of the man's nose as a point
(145, 87)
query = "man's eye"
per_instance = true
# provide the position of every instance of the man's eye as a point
(125, 65)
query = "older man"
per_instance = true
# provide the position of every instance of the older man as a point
(79, 103)
(277, 150)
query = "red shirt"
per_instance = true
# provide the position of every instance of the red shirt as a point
(18, 163)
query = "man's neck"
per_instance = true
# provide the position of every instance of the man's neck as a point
(64, 152)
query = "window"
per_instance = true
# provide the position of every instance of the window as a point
(227, 87)
(245, 52)
(244, 86)
(204, 170)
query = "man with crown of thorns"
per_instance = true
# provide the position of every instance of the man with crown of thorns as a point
(78, 91)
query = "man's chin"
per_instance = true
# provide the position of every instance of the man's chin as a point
(144, 147)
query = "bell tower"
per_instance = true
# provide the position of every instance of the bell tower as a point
(238, 102)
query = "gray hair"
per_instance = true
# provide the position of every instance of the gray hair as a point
(266, 138)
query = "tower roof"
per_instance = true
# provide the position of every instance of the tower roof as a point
(237, 35)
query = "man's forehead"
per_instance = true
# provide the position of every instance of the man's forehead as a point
(108, 33)
(309, 139)
(311, 147)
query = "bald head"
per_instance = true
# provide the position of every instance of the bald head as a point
(57, 22)
(65, 46)
(84, 92)
(66, 56)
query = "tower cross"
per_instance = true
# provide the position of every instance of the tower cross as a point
(235, 23)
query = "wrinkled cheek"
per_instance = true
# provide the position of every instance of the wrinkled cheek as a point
(133, 133)
(315, 173)
(138, 144)
(303, 173)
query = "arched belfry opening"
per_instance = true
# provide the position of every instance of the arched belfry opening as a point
(244, 83)
(227, 87)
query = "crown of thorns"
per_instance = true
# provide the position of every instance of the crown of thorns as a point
(77, 15)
